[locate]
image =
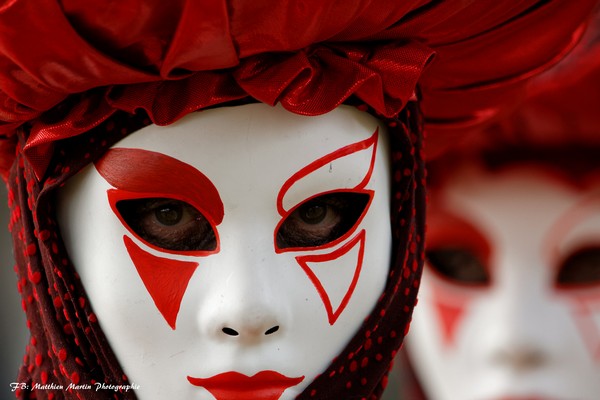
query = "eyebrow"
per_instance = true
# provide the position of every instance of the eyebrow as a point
(143, 171)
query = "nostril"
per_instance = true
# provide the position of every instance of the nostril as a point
(230, 332)
(272, 330)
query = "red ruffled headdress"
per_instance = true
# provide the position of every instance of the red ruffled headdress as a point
(76, 76)
(173, 58)
(559, 113)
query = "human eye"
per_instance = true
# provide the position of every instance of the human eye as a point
(168, 224)
(458, 265)
(321, 220)
(580, 268)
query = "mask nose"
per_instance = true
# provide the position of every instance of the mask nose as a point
(523, 336)
(245, 303)
(258, 325)
(244, 318)
(520, 356)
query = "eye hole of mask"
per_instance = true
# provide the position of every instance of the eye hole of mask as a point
(581, 268)
(168, 224)
(458, 265)
(321, 220)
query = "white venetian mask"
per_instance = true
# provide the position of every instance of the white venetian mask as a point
(510, 302)
(235, 253)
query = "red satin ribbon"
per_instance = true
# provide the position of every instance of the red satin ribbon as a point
(309, 82)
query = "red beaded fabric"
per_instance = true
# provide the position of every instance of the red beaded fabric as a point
(76, 76)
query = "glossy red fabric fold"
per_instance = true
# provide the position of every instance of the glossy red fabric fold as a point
(319, 53)
(559, 108)
(480, 80)
(95, 44)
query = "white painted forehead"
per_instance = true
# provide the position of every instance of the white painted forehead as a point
(254, 127)
(256, 147)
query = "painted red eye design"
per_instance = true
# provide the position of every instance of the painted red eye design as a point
(168, 224)
(458, 265)
(580, 268)
(321, 220)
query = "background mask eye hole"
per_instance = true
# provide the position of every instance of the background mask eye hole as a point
(168, 224)
(321, 220)
(458, 265)
(581, 268)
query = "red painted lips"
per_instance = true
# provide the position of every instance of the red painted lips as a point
(265, 385)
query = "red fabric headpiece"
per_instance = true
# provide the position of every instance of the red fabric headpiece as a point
(562, 104)
(559, 109)
(172, 58)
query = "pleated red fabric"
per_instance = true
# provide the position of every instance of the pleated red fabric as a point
(77, 76)
(170, 58)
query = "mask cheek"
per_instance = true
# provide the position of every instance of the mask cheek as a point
(449, 308)
(166, 280)
(585, 310)
(335, 274)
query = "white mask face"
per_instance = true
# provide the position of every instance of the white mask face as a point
(235, 253)
(509, 306)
